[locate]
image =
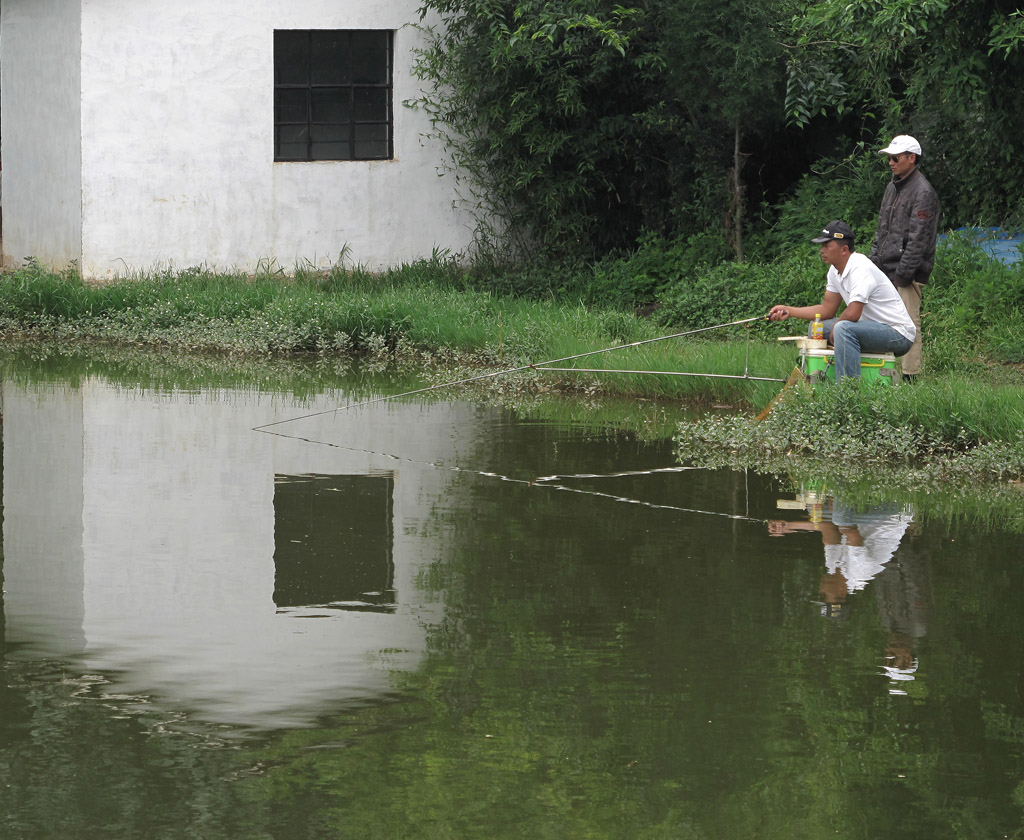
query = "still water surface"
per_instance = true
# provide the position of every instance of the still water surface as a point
(441, 619)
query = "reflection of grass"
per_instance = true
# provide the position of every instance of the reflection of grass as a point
(37, 361)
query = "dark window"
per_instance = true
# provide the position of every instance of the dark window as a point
(332, 94)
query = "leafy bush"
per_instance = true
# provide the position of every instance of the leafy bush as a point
(982, 291)
(973, 306)
(850, 189)
(732, 291)
(640, 277)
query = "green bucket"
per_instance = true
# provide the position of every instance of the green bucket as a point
(820, 364)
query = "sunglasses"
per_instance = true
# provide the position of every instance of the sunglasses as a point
(894, 158)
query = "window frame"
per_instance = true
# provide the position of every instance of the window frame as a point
(351, 89)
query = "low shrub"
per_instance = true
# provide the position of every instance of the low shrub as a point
(641, 278)
(732, 291)
(849, 189)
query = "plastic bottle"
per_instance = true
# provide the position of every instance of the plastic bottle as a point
(817, 328)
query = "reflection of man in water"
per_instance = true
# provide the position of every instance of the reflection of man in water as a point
(903, 590)
(859, 545)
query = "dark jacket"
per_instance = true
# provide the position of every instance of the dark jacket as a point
(904, 246)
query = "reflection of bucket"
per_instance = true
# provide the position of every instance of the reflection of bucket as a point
(873, 367)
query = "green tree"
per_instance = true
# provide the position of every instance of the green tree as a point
(724, 69)
(949, 73)
(577, 125)
(548, 112)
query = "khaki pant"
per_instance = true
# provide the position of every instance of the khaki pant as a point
(911, 296)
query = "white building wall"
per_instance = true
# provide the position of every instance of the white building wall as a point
(41, 152)
(177, 151)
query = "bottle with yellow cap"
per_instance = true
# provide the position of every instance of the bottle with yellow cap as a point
(817, 328)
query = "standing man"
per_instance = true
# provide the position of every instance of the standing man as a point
(904, 246)
(875, 319)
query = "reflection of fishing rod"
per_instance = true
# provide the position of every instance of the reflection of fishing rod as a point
(520, 369)
(543, 481)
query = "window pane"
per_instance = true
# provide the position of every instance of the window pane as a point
(291, 106)
(330, 58)
(330, 133)
(370, 57)
(291, 57)
(332, 105)
(371, 104)
(331, 151)
(371, 142)
(331, 142)
(292, 143)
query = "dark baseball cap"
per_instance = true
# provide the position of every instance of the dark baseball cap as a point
(837, 230)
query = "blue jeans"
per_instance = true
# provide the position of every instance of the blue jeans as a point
(851, 338)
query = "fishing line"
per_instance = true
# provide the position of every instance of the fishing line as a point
(653, 505)
(521, 368)
(534, 482)
(614, 474)
(543, 480)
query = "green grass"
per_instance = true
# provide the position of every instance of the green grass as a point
(952, 430)
(429, 320)
(423, 312)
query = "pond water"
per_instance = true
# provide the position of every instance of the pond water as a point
(433, 618)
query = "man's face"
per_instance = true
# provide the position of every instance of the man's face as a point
(830, 251)
(902, 164)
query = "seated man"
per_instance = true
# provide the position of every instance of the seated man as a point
(875, 319)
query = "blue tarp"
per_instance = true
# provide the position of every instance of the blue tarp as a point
(1000, 244)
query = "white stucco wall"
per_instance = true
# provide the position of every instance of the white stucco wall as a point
(177, 126)
(138, 135)
(41, 152)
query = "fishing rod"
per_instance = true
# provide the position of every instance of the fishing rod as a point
(519, 369)
(667, 373)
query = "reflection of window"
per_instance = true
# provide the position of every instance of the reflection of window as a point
(332, 541)
(332, 94)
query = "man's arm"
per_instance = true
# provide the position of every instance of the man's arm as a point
(826, 309)
(853, 311)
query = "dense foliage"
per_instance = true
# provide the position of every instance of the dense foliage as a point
(582, 123)
(581, 126)
(948, 73)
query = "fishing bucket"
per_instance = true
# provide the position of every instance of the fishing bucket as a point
(874, 367)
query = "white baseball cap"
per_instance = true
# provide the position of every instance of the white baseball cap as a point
(902, 143)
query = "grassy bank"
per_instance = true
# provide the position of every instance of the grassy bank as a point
(424, 314)
(437, 323)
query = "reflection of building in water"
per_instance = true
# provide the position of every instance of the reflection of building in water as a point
(866, 545)
(251, 577)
